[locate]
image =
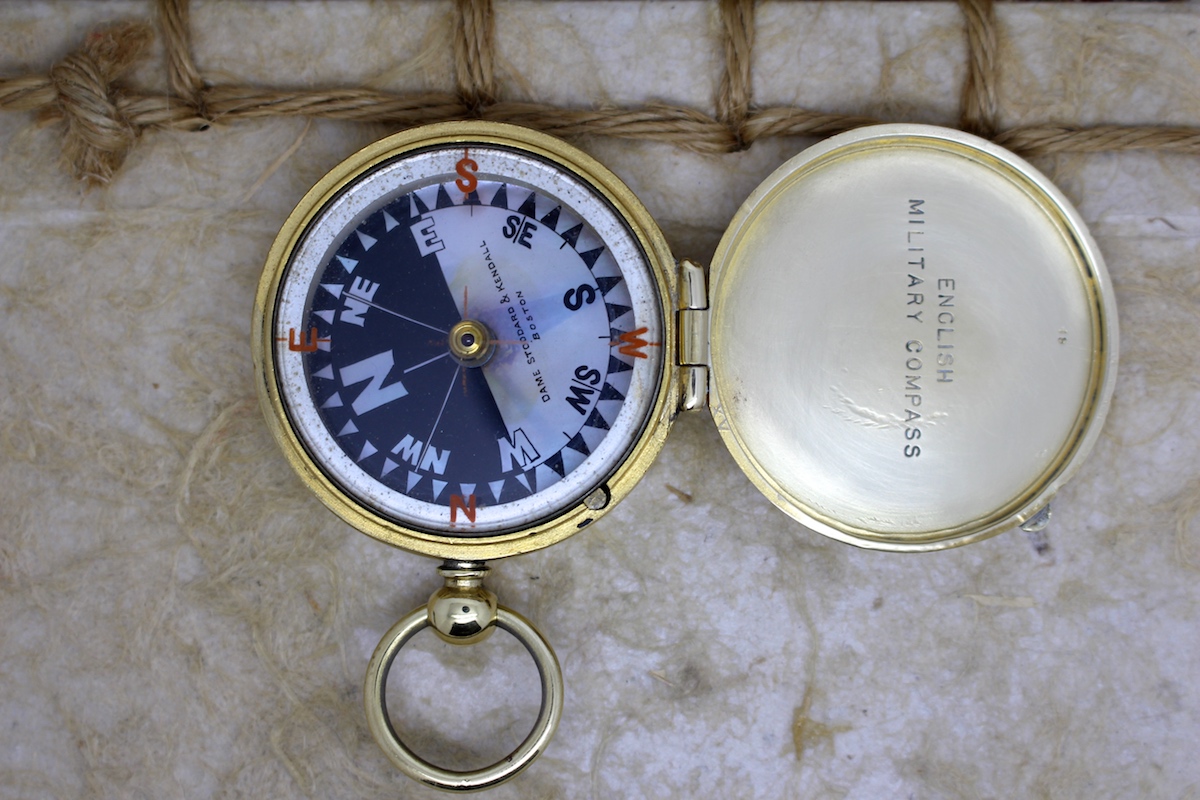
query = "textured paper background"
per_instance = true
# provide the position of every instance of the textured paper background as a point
(179, 618)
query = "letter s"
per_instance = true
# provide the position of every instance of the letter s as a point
(467, 168)
(575, 299)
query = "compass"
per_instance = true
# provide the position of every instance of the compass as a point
(468, 341)
(472, 339)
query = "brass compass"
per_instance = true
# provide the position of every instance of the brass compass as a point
(471, 339)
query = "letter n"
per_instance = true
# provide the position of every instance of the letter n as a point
(467, 507)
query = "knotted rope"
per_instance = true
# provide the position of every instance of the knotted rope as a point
(103, 118)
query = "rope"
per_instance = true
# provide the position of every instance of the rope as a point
(980, 99)
(474, 54)
(103, 119)
(733, 97)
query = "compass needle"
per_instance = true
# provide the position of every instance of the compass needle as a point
(438, 357)
(437, 421)
(371, 304)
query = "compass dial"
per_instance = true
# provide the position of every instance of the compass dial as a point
(467, 339)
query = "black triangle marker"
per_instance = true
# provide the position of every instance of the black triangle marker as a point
(529, 207)
(443, 198)
(572, 236)
(551, 219)
(606, 284)
(609, 393)
(578, 444)
(422, 209)
(555, 462)
(595, 420)
(472, 199)
(617, 365)
(501, 198)
(616, 311)
(590, 256)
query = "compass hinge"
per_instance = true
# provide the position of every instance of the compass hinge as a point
(692, 320)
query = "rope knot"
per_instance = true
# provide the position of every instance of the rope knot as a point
(735, 95)
(99, 134)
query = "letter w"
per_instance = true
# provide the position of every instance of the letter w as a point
(633, 343)
(520, 450)
(374, 369)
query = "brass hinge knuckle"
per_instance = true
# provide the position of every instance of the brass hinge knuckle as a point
(692, 318)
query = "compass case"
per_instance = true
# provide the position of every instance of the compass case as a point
(320, 354)
(913, 338)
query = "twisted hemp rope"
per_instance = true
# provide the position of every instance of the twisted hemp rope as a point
(103, 118)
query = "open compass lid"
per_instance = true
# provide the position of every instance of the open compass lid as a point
(913, 338)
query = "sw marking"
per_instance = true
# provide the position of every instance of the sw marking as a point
(582, 388)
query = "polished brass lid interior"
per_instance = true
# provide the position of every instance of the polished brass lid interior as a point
(913, 338)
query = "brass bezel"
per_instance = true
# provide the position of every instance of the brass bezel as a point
(539, 145)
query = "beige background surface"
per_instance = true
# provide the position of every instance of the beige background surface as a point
(179, 618)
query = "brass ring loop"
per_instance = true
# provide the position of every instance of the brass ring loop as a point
(374, 698)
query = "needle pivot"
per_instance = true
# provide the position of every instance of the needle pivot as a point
(471, 343)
